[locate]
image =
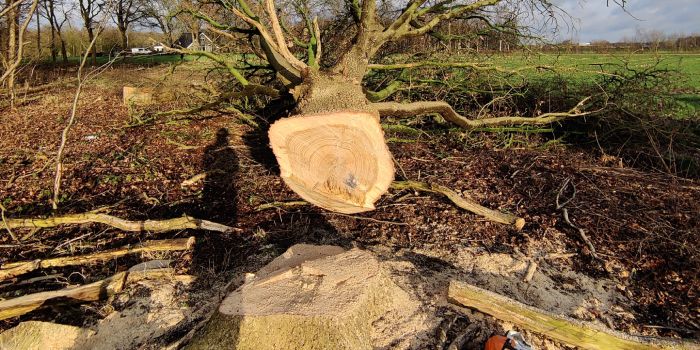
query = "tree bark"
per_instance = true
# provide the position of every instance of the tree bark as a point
(91, 36)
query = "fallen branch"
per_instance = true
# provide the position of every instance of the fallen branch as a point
(395, 109)
(89, 292)
(11, 270)
(490, 214)
(182, 223)
(281, 205)
(581, 334)
(565, 213)
(4, 222)
(99, 290)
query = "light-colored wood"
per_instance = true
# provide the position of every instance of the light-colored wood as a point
(181, 223)
(11, 270)
(584, 335)
(337, 161)
(137, 96)
(89, 292)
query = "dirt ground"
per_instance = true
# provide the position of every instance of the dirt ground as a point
(644, 225)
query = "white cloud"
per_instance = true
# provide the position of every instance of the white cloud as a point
(594, 20)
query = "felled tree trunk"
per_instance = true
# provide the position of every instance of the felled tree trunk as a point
(332, 152)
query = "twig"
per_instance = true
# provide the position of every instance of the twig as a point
(290, 204)
(565, 213)
(182, 223)
(531, 269)
(4, 221)
(71, 120)
(11, 270)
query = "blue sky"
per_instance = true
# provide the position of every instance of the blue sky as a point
(593, 20)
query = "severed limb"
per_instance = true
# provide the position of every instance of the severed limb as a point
(86, 293)
(454, 197)
(14, 269)
(490, 214)
(395, 109)
(181, 223)
(584, 335)
(96, 291)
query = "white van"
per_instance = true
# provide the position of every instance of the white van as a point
(140, 51)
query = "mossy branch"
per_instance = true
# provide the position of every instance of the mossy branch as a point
(584, 335)
(395, 109)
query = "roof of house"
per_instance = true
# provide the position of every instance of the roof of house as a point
(184, 41)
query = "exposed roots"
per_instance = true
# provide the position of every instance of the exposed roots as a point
(182, 223)
(395, 109)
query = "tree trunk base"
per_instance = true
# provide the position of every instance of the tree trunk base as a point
(338, 161)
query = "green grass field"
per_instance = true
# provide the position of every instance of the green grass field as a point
(688, 65)
(589, 66)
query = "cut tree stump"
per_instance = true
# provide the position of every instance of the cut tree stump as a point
(35, 335)
(315, 298)
(338, 161)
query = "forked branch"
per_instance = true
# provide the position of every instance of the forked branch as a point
(395, 109)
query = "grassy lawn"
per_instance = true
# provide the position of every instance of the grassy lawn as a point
(688, 65)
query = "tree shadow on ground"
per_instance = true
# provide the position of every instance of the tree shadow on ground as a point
(220, 193)
(258, 140)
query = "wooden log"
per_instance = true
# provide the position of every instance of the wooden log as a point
(14, 269)
(89, 292)
(338, 161)
(137, 96)
(585, 335)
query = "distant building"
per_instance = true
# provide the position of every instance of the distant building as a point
(203, 42)
(140, 51)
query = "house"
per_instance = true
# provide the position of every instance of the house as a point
(203, 42)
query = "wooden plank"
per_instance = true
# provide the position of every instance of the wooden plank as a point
(585, 335)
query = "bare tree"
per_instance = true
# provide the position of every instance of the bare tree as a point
(57, 15)
(326, 84)
(15, 42)
(127, 12)
(89, 9)
(161, 14)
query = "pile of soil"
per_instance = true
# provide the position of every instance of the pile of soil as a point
(643, 225)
